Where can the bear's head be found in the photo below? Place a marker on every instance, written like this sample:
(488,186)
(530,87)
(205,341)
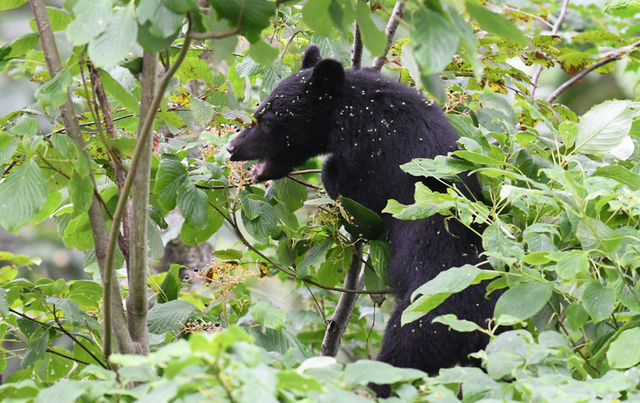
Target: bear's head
(293,123)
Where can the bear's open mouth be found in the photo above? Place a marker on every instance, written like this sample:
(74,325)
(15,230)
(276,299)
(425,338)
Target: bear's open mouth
(259,169)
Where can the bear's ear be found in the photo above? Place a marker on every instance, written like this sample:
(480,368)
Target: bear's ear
(311,56)
(328,75)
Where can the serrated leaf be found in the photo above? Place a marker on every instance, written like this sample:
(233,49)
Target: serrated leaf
(193,68)
(434,292)
(523,300)
(170,176)
(228,254)
(114,43)
(202,111)
(604,127)
(170,316)
(620,174)
(193,204)
(292,380)
(22,195)
(268,315)
(193,236)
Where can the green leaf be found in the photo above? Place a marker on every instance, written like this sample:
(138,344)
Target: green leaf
(193,68)
(571,265)
(604,127)
(313,258)
(456,324)
(624,351)
(91,19)
(170,285)
(58,18)
(228,254)
(193,204)
(262,52)
(202,111)
(265,221)
(170,316)
(193,236)
(364,371)
(435,40)
(478,158)
(11,4)
(434,292)
(594,234)
(181,6)
(19,47)
(165,22)
(291,193)
(599,301)
(441,167)
(114,43)
(316,15)
(495,23)
(361,222)
(64,391)
(268,315)
(22,195)
(36,347)
(292,380)
(255,14)
(577,316)
(81,193)
(54,93)
(620,174)
(372,38)
(169,178)
(116,90)
(523,300)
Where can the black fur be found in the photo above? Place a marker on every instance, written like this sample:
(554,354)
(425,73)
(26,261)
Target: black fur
(369,126)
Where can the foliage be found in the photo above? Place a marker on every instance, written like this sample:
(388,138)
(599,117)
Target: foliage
(559,221)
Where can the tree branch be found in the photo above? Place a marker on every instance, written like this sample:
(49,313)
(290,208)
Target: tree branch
(356,49)
(342,315)
(145,132)
(608,59)
(137,273)
(390,31)
(96,217)
(554,31)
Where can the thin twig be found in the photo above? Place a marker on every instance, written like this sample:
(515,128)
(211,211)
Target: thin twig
(216,35)
(307,184)
(542,20)
(72,337)
(390,31)
(48,350)
(608,59)
(554,31)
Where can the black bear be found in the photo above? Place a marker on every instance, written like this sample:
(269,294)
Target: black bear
(369,125)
